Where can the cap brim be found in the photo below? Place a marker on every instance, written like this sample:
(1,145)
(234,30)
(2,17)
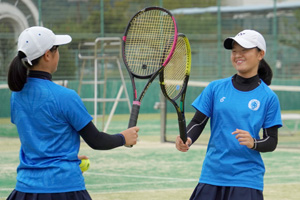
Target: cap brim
(62,39)
(244,43)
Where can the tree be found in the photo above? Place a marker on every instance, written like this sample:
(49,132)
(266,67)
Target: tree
(7,44)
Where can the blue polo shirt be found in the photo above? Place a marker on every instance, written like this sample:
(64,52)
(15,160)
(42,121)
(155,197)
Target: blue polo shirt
(227,163)
(48,118)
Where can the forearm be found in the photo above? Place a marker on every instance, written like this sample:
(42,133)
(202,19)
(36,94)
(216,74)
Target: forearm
(196,126)
(100,140)
(269,141)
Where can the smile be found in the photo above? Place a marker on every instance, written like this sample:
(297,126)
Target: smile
(238,62)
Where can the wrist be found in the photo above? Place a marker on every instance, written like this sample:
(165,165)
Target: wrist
(254,144)
(123,138)
(190,141)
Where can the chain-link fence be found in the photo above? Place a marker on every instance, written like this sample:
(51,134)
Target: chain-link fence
(206,23)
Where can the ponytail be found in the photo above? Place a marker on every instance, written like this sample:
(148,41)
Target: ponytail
(17,73)
(18,69)
(265,72)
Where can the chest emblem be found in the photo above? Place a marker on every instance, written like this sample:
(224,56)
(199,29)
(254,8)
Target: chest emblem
(254,104)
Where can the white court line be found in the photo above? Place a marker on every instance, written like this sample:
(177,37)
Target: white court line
(138,191)
(283,175)
(292,183)
(177,179)
(137,183)
(6,189)
(139,176)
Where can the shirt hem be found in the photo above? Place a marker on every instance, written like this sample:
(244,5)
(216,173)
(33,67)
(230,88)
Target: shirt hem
(231,184)
(56,190)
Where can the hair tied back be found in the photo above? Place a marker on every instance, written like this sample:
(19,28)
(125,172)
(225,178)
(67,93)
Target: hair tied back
(26,61)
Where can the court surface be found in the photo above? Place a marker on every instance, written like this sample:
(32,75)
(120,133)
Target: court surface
(152,170)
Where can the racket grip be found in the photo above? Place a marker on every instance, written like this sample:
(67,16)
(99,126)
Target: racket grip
(182,129)
(133,117)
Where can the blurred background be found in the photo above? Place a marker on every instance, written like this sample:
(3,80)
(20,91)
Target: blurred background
(97,26)
(92,65)
(207,23)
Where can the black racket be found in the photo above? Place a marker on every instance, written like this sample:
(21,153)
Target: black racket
(147,46)
(174,79)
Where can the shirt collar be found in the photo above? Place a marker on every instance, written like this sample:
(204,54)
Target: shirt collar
(40,74)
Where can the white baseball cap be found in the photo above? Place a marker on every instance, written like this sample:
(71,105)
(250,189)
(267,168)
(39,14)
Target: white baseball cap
(247,39)
(36,40)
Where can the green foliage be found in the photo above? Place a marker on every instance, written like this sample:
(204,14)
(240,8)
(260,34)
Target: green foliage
(82,19)
(7,45)
(292,27)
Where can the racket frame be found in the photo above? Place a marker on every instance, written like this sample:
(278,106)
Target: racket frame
(180,108)
(137,100)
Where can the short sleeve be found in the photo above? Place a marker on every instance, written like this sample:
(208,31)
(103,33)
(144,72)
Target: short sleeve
(74,110)
(203,102)
(273,115)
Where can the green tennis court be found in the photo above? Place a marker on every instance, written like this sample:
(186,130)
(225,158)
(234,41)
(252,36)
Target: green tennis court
(154,170)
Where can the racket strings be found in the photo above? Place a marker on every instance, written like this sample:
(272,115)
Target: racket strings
(176,70)
(149,41)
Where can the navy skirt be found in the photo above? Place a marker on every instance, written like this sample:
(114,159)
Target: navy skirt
(212,192)
(77,195)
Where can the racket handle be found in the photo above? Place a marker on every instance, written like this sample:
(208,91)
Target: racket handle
(182,129)
(133,116)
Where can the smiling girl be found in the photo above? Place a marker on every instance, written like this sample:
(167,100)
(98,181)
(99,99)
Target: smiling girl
(238,108)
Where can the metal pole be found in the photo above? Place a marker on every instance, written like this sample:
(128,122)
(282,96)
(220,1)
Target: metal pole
(163,109)
(161,3)
(101,18)
(40,12)
(102,67)
(95,86)
(275,46)
(163,117)
(219,56)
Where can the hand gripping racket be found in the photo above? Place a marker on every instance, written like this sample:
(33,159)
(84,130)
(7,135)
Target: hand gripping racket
(147,46)
(174,79)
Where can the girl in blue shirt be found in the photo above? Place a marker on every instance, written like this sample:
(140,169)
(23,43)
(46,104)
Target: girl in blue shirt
(50,120)
(238,108)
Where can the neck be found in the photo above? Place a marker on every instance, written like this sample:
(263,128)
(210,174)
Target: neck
(245,84)
(40,74)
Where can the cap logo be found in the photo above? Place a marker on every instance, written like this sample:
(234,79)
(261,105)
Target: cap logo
(240,34)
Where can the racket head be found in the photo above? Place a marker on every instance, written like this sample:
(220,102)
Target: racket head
(175,75)
(149,41)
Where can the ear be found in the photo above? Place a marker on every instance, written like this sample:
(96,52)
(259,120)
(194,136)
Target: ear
(47,56)
(261,55)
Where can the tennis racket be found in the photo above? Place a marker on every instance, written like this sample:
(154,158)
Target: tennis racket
(147,46)
(174,79)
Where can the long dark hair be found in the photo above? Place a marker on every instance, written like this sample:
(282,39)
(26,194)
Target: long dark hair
(17,73)
(264,71)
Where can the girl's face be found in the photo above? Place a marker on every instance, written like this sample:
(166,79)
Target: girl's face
(246,61)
